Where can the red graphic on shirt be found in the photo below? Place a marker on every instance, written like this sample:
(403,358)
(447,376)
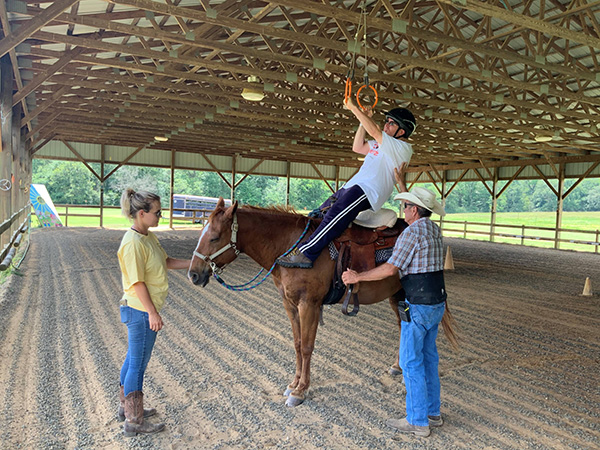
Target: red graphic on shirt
(374,148)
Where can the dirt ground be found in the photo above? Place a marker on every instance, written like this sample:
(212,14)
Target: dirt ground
(527,375)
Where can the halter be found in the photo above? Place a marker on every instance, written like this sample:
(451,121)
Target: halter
(209,259)
(217,270)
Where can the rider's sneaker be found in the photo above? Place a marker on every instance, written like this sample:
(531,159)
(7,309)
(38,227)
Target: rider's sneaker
(295,260)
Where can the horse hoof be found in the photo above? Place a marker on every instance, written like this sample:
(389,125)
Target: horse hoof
(293,401)
(394,371)
(287,392)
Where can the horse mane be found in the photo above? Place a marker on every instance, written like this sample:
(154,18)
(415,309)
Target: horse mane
(275,209)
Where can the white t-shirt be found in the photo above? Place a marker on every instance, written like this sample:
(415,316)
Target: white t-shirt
(376,175)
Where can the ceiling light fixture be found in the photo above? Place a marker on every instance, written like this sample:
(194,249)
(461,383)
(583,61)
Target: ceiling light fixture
(253,94)
(161,138)
(543,138)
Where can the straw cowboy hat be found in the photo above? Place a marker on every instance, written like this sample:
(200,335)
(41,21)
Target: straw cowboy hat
(422,197)
(382,218)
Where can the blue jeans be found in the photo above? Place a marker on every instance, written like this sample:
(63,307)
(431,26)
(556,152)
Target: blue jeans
(140,344)
(419,362)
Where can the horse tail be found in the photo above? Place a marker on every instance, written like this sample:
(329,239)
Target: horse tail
(449,325)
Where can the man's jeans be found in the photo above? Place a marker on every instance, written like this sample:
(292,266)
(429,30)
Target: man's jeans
(419,362)
(141,342)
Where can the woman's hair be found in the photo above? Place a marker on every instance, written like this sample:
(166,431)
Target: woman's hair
(132,202)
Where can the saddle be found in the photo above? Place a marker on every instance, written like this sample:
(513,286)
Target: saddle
(356,249)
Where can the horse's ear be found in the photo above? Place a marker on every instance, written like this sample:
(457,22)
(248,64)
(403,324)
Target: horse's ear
(220,203)
(231,210)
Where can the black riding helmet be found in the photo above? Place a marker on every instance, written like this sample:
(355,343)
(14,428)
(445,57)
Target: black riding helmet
(404,118)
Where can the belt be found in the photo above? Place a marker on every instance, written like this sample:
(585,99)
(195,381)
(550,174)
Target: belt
(123,302)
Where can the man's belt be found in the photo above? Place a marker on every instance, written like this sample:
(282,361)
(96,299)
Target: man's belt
(424,288)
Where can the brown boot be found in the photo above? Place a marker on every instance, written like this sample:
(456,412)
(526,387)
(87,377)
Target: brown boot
(121,412)
(134,416)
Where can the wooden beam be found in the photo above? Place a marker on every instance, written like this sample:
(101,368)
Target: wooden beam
(80,158)
(526,21)
(31,26)
(322,177)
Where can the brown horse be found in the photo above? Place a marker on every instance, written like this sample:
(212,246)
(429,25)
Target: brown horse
(264,234)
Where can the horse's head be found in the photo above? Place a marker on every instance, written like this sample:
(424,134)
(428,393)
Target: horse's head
(217,244)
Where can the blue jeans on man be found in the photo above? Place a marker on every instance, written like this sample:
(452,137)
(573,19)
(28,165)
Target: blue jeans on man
(140,344)
(419,362)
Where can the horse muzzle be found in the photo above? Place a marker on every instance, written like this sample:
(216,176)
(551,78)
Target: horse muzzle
(200,278)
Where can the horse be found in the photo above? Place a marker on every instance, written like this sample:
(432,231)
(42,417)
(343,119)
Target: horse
(266,233)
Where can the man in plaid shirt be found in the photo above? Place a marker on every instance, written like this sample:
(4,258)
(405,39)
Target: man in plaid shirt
(418,259)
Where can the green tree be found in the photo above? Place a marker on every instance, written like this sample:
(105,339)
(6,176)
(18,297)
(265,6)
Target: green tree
(67,182)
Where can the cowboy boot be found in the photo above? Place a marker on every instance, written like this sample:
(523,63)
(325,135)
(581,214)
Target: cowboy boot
(134,416)
(121,412)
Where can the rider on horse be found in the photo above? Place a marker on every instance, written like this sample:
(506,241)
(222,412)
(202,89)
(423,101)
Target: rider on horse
(369,188)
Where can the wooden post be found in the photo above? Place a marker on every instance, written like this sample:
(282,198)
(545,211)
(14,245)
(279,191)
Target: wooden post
(102,157)
(522,234)
(494,205)
(337,178)
(233,178)
(597,240)
(465,233)
(172,189)
(559,205)
(444,196)
(287,188)
(6,160)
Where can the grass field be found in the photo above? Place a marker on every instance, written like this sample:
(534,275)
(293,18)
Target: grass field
(589,221)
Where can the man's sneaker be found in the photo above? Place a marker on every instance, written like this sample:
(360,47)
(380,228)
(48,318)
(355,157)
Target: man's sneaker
(295,260)
(403,426)
(435,421)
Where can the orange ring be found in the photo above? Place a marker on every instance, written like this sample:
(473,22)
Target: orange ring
(358,99)
(348,89)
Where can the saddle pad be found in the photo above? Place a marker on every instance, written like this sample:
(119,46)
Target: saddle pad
(381,255)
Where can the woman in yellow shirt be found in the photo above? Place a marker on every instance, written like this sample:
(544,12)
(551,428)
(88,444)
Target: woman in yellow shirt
(144,266)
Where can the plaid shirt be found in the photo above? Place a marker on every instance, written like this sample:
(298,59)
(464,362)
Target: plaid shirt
(419,249)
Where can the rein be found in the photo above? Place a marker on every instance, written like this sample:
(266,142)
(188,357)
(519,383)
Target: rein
(232,244)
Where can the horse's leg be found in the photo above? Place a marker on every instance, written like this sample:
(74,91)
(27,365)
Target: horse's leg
(292,311)
(309,322)
(394,299)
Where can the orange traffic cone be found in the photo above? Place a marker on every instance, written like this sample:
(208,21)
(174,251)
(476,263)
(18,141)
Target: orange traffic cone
(449,263)
(587,287)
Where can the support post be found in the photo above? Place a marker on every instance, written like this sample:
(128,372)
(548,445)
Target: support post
(6,159)
(559,204)
(233,161)
(494,205)
(444,196)
(102,158)
(172,188)
(287,184)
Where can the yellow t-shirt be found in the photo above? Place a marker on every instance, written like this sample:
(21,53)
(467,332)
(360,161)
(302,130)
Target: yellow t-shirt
(143,259)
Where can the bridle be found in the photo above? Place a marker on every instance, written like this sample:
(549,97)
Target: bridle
(232,245)
(216,270)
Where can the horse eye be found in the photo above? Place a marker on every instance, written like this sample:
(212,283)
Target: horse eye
(214,239)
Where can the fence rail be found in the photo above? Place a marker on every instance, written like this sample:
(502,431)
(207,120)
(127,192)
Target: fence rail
(198,215)
(527,234)
(585,240)
(8,252)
